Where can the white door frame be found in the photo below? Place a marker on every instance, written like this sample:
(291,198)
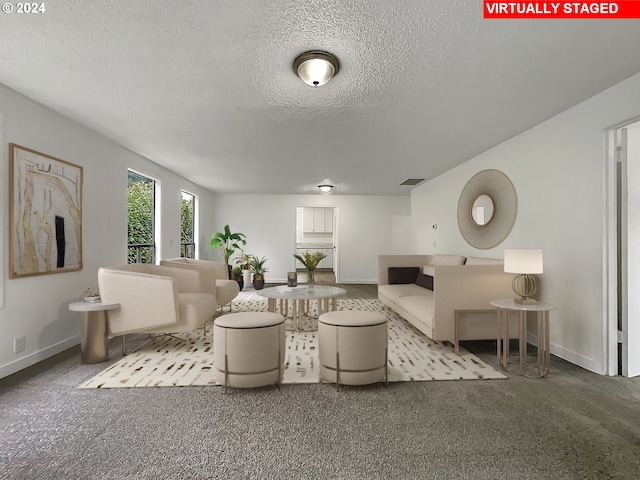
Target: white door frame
(336,237)
(615,141)
(5,174)
(610,257)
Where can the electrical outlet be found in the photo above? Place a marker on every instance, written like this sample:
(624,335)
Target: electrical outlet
(434,244)
(19,344)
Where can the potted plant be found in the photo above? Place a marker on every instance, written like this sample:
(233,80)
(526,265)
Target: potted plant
(258,269)
(91,295)
(236,274)
(243,260)
(228,243)
(310,262)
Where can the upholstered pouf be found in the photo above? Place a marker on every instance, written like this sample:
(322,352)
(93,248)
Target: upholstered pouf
(352,346)
(249,349)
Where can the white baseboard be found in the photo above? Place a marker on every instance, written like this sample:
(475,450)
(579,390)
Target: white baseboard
(35,357)
(360,282)
(570,356)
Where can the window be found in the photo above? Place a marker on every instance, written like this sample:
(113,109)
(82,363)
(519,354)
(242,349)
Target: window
(187,223)
(141,204)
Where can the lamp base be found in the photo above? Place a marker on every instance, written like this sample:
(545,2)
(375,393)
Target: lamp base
(525,301)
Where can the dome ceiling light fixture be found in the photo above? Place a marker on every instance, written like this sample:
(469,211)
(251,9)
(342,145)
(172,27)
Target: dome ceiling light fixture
(315,68)
(325,186)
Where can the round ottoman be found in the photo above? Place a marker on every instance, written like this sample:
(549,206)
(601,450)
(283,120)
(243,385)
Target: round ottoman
(249,349)
(352,346)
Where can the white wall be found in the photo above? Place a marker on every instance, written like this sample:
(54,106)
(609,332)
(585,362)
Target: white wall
(365,229)
(37,307)
(558,171)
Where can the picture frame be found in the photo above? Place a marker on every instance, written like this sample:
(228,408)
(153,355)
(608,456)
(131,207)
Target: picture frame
(45,214)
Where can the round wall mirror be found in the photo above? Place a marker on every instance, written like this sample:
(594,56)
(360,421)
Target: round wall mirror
(482,209)
(487,209)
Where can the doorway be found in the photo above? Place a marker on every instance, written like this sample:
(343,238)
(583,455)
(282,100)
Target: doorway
(317,231)
(624,250)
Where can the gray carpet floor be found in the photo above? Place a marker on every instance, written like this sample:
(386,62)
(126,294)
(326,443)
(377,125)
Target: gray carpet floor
(571,424)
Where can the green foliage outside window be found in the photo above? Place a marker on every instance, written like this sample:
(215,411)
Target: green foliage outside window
(186,221)
(140,193)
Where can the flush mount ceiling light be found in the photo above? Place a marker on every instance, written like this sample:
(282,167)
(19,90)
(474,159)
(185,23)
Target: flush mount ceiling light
(325,186)
(316,68)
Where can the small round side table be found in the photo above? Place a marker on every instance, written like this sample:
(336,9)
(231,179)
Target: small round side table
(94,340)
(505,306)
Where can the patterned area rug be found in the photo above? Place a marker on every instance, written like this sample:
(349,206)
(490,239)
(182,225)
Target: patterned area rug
(413,357)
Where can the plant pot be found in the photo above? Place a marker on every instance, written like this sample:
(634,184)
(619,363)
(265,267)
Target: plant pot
(246,276)
(258,281)
(240,280)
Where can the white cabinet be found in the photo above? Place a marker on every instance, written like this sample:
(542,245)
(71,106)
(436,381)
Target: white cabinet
(317,220)
(327,262)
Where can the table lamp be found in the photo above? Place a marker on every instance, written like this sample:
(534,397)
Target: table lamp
(525,262)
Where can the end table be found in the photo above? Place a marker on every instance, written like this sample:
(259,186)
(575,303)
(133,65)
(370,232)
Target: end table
(505,306)
(94,341)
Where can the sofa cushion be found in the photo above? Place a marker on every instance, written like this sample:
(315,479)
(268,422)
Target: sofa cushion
(395,292)
(483,261)
(429,270)
(439,259)
(425,281)
(403,275)
(420,306)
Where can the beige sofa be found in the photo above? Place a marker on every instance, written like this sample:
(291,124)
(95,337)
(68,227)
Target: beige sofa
(466,285)
(225,290)
(156,299)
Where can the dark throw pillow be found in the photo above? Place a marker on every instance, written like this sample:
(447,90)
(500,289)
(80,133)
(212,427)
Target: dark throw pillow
(424,281)
(399,275)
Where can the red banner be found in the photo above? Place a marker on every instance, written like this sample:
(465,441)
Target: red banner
(584,10)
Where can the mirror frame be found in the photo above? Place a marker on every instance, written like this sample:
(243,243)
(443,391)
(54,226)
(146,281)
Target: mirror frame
(499,188)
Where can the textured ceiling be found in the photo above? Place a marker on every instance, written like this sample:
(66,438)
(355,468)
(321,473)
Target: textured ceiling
(206,88)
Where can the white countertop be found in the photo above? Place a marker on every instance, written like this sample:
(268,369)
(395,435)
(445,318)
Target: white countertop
(314,245)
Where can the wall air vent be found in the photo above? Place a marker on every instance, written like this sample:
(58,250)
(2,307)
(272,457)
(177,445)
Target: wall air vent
(412,181)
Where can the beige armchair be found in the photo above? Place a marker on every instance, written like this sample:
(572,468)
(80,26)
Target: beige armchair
(156,299)
(225,290)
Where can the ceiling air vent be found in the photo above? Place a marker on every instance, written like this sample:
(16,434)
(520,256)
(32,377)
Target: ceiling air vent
(412,181)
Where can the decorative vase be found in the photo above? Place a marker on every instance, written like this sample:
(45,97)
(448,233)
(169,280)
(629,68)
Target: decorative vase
(246,276)
(240,281)
(311,278)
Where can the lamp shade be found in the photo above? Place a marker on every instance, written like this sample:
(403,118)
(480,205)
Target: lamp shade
(316,68)
(523,260)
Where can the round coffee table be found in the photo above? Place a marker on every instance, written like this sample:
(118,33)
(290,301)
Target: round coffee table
(301,296)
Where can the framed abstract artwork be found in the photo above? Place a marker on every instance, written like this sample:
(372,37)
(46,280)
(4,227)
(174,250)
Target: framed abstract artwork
(45,214)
